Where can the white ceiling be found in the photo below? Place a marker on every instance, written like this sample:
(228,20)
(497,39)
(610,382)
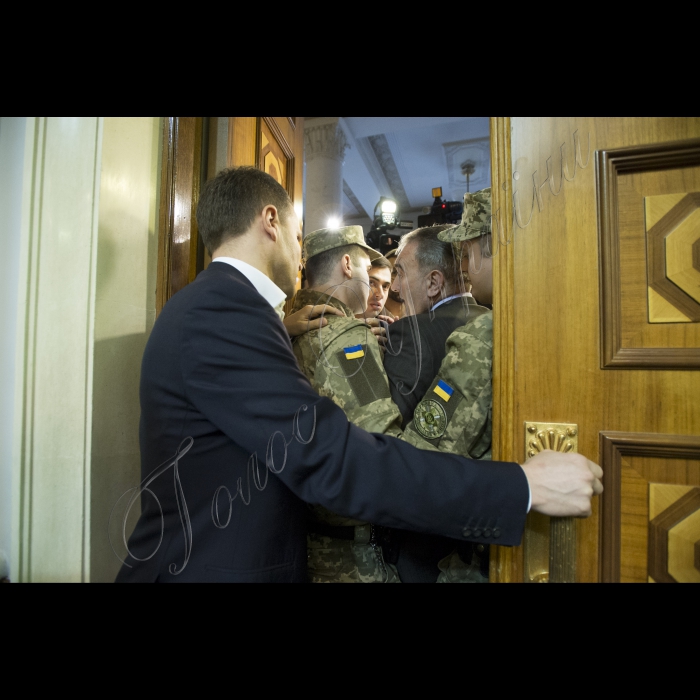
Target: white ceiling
(405,157)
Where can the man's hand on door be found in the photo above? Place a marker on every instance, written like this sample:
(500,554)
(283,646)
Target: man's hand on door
(562,485)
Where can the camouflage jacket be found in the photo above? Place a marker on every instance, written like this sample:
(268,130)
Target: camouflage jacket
(455,413)
(343,362)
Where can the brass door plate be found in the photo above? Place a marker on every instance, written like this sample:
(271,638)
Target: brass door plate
(550,543)
(560,437)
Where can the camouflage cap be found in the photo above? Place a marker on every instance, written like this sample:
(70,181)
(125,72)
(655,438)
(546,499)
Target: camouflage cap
(328,238)
(476,218)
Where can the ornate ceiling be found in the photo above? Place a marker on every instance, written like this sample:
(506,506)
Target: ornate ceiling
(405,157)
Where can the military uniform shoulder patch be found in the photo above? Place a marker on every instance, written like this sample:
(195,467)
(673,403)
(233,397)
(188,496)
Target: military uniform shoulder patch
(430,419)
(354,352)
(443,390)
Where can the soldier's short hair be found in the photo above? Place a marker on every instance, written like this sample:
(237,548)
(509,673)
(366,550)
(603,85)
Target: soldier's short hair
(381,262)
(430,252)
(320,268)
(230,202)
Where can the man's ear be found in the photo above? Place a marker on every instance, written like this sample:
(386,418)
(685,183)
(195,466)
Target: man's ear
(436,281)
(346,266)
(271,221)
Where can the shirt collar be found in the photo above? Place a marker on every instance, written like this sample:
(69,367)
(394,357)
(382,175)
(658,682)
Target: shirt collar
(267,289)
(454,296)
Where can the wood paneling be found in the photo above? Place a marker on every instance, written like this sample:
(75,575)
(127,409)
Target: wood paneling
(669,561)
(625,177)
(506,563)
(180,254)
(287,136)
(251,138)
(632,462)
(552,371)
(187,145)
(242,141)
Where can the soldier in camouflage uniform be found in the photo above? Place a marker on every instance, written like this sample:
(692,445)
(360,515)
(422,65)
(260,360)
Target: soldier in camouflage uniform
(343,362)
(455,413)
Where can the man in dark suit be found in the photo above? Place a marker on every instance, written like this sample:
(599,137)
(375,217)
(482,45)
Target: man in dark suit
(234,440)
(436,302)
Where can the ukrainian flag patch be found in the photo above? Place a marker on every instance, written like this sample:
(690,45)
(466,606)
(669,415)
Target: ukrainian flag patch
(354,352)
(444,391)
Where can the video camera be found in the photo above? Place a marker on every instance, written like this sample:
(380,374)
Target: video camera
(441,212)
(386,219)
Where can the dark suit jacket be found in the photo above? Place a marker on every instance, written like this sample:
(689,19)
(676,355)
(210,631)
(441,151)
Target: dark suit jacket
(404,368)
(219,381)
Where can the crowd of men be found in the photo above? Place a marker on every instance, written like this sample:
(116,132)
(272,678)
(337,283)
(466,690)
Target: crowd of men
(398,346)
(423,374)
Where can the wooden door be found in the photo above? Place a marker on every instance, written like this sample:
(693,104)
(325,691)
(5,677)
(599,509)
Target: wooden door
(194,150)
(275,145)
(597,329)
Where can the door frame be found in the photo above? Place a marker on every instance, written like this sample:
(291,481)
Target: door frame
(507,563)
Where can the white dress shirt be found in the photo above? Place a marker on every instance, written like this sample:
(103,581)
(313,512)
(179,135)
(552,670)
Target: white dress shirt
(267,289)
(454,296)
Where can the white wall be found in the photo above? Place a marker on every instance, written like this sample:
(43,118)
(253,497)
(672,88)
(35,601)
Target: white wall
(125,311)
(12,132)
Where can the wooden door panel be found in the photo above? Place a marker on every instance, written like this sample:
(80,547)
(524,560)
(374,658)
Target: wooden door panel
(276,146)
(273,144)
(549,322)
(650,220)
(180,255)
(651,508)
(273,160)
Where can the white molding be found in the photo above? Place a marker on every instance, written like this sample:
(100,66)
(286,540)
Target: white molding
(55,333)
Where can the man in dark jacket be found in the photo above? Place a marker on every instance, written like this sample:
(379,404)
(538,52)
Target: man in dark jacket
(234,440)
(437,302)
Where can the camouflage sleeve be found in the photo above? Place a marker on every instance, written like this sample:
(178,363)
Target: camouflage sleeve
(455,413)
(350,372)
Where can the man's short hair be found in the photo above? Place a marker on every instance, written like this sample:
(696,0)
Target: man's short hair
(320,268)
(432,253)
(230,202)
(381,262)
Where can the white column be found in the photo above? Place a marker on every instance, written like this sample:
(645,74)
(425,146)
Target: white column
(324,153)
(54,360)
(12,130)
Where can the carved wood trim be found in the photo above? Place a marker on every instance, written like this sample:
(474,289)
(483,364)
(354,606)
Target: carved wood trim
(287,149)
(658,534)
(613,447)
(165,214)
(610,164)
(656,257)
(506,562)
(180,257)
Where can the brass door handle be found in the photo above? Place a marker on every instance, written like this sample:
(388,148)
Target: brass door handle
(550,547)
